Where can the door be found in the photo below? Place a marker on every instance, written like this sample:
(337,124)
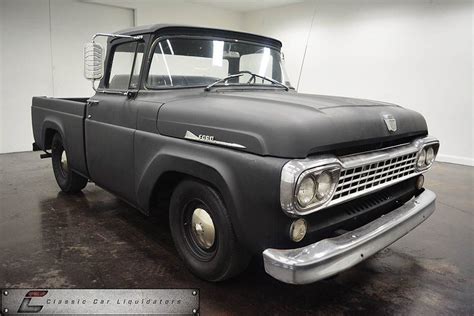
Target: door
(110,122)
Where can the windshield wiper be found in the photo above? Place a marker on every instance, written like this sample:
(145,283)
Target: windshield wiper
(252,77)
(208,87)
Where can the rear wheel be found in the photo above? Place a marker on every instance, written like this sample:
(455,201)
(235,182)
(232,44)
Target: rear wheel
(68,180)
(203,233)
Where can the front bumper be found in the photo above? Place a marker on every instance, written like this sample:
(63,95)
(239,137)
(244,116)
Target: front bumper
(333,255)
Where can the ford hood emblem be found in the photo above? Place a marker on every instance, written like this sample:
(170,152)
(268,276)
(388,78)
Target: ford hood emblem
(390,122)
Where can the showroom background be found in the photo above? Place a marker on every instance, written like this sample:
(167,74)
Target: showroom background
(416,53)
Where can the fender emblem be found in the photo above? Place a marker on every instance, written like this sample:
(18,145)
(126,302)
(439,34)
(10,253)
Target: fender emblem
(210,139)
(390,122)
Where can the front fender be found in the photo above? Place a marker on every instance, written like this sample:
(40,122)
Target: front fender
(249,184)
(181,160)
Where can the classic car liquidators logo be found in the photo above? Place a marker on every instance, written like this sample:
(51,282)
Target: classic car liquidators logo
(57,301)
(25,306)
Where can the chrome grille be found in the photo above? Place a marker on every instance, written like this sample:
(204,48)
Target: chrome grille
(356,181)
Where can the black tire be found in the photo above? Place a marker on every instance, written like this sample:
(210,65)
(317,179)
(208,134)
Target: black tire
(226,258)
(68,180)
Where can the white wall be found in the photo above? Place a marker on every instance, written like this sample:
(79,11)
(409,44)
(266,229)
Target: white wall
(26,68)
(185,12)
(2,10)
(188,14)
(418,54)
(41,54)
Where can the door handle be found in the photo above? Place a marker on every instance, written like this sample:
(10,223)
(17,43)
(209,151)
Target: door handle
(92,102)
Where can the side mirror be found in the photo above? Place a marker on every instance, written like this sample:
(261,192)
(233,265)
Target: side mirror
(93,61)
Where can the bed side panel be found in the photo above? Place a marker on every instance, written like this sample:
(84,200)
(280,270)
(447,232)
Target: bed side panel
(65,116)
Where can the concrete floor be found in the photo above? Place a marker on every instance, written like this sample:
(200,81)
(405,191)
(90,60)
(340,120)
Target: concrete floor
(93,240)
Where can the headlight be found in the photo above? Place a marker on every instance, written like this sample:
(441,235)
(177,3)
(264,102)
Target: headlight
(426,156)
(317,186)
(324,184)
(306,191)
(430,156)
(421,159)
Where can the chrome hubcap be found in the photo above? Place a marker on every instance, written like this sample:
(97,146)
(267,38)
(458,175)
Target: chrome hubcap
(64,161)
(202,228)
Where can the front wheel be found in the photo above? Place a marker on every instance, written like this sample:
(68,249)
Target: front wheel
(68,180)
(203,233)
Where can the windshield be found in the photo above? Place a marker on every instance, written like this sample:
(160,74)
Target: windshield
(180,62)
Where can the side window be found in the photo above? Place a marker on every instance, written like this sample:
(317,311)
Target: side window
(136,68)
(125,69)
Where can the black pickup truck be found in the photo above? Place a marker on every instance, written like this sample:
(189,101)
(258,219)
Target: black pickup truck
(207,120)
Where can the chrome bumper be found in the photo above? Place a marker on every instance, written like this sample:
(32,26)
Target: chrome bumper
(333,255)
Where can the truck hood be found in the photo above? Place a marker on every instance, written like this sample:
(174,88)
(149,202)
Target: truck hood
(285,124)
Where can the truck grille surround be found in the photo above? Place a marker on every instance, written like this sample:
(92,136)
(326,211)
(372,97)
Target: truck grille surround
(359,179)
(357,174)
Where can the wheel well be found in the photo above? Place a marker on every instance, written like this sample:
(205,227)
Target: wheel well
(164,187)
(48,138)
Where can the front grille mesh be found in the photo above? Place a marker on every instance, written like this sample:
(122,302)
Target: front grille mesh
(368,177)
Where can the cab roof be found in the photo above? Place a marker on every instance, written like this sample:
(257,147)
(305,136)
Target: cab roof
(170,29)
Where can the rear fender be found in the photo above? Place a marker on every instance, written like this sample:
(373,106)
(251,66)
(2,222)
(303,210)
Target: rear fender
(53,124)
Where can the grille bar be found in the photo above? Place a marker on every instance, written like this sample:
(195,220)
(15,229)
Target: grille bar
(358,180)
(378,166)
(373,175)
(369,184)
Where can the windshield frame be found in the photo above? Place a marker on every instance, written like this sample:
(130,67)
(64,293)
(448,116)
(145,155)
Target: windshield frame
(159,39)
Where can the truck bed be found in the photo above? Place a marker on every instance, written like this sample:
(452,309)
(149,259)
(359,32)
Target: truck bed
(64,116)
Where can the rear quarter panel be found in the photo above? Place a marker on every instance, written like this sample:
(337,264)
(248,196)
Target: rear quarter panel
(65,116)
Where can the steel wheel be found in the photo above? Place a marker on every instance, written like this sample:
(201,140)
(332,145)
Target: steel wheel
(64,165)
(202,228)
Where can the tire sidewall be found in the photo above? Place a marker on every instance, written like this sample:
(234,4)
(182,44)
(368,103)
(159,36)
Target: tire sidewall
(215,268)
(57,147)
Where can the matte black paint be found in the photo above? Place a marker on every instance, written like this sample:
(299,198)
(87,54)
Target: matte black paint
(110,133)
(65,116)
(285,123)
(170,29)
(128,143)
